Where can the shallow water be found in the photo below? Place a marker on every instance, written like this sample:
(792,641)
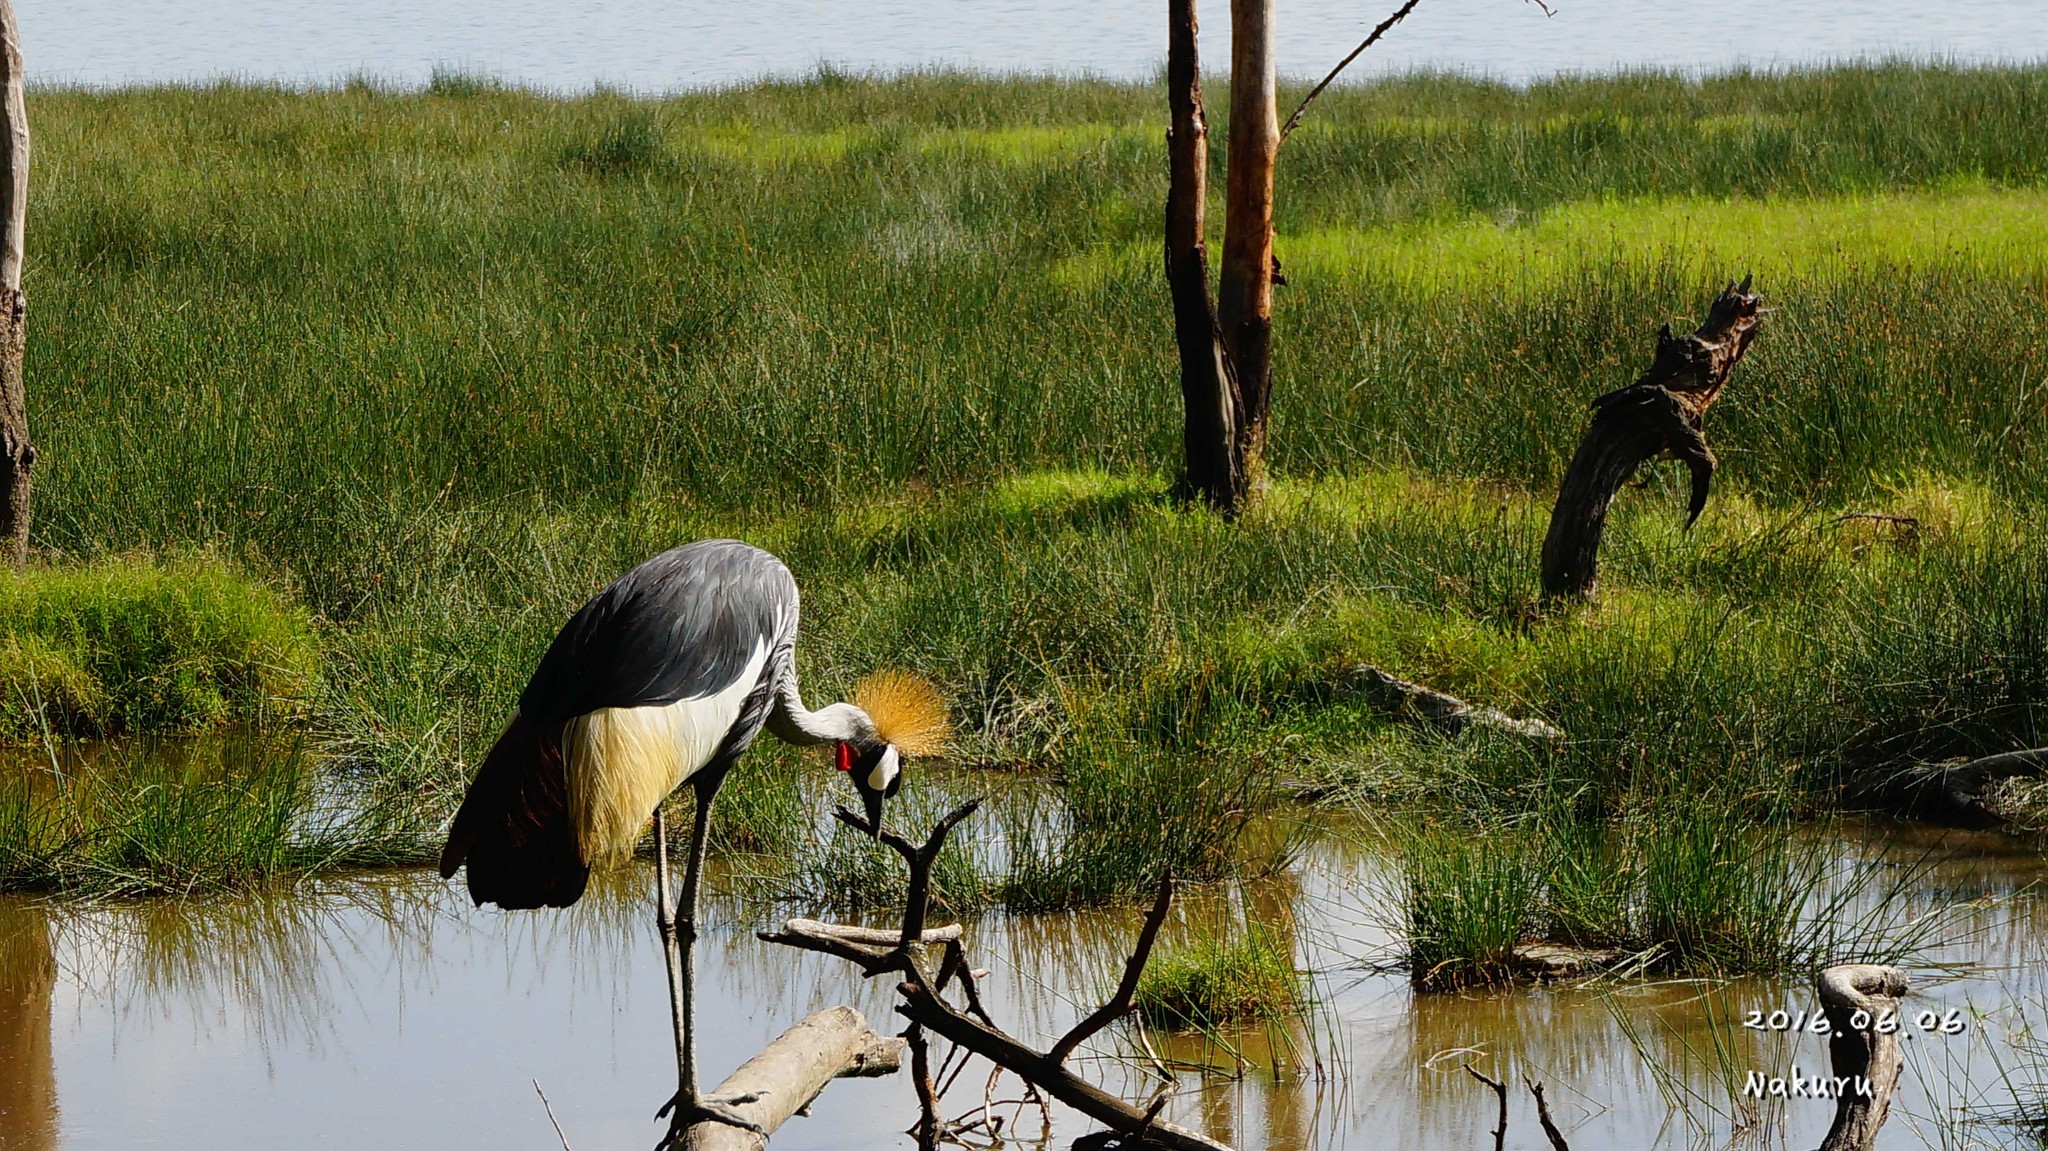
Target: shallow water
(575,43)
(384,1011)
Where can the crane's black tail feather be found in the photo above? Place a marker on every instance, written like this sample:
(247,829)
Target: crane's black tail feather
(513,827)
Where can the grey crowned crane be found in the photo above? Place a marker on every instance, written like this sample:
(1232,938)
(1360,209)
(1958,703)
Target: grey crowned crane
(665,677)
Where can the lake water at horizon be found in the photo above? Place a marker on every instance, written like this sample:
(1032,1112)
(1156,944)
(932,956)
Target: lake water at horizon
(575,44)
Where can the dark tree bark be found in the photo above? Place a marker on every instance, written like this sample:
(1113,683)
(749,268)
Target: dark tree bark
(1664,411)
(1208,393)
(1245,287)
(17,450)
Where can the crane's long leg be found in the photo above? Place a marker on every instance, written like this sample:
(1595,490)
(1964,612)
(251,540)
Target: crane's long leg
(679,940)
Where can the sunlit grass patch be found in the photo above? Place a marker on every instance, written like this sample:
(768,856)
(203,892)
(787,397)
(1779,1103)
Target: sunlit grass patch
(1222,981)
(136,645)
(1781,240)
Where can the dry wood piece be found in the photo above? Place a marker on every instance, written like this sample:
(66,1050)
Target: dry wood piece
(1664,411)
(1550,1130)
(791,1071)
(17,450)
(967,1025)
(1867,1057)
(1447,712)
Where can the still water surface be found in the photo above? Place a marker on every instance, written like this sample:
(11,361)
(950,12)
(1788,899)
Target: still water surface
(387,1012)
(571,44)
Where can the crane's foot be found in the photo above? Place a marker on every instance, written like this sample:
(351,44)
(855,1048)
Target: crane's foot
(685,1113)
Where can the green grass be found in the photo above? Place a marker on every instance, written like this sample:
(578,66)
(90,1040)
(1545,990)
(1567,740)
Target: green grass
(443,362)
(1221,982)
(153,818)
(125,645)
(1700,880)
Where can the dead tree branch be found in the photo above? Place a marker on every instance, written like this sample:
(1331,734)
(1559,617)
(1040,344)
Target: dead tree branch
(968,1026)
(1294,117)
(1869,1058)
(1662,412)
(1550,1130)
(790,1072)
(1122,1003)
(1500,1089)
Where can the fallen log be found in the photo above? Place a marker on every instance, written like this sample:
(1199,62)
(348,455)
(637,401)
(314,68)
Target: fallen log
(790,1072)
(1868,1057)
(1662,412)
(1435,709)
(1959,792)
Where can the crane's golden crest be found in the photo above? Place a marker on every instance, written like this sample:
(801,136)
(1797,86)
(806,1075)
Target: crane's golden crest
(906,711)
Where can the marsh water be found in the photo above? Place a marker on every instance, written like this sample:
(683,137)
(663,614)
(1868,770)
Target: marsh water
(573,44)
(383,1010)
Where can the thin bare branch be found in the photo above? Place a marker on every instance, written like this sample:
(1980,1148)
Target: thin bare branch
(1500,1133)
(1550,1130)
(1122,1002)
(1294,117)
(551,1116)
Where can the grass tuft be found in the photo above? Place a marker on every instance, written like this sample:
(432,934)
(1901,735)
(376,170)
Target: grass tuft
(1219,982)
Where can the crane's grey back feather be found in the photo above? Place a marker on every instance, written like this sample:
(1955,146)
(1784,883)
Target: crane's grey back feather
(684,624)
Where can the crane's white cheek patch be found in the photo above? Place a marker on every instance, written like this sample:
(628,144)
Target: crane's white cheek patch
(885,771)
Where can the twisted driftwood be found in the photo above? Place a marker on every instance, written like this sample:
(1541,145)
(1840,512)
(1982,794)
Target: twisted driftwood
(1870,1057)
(1664,411)
(967,1024)
(790,1072)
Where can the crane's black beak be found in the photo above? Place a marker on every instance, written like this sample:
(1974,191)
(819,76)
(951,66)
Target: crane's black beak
(872,800)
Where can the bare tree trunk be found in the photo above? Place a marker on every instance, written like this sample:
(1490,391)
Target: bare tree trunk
(1664,411)
(1245,291)
(17,451)
(1208,394)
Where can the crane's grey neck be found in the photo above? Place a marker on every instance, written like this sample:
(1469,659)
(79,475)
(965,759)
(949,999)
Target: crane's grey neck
(792,722)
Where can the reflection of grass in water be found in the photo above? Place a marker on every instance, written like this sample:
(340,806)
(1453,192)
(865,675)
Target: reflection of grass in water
(1699,1056)
(145,818)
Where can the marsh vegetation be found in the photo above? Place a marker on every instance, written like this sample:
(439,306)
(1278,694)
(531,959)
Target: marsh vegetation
(349,396)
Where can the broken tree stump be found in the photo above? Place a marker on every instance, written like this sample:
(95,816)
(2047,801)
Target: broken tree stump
(790,1072)
(1662,412)
(1868,1056)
